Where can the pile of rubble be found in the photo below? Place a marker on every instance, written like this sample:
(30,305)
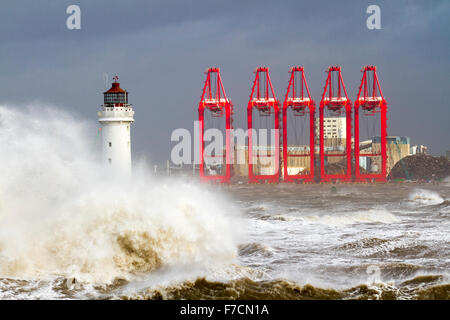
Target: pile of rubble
(421,167)
(336,168)
(340,168)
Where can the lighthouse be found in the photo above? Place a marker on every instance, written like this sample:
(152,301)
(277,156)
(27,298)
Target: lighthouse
(115,117)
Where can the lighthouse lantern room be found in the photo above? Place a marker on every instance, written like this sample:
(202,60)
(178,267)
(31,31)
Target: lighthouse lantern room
(116,117)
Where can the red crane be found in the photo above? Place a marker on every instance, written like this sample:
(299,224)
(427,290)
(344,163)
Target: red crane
(215,101)
(371,101)
(299,100)
(263,99)
(335,100)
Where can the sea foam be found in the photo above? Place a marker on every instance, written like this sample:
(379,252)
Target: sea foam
(425,197)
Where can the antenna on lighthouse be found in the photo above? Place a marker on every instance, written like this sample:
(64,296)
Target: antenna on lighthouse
(105,80)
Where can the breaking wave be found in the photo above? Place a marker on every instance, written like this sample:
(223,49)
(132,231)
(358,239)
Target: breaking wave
(339,219)
(425,197)
(63,215)
(396,247)
(420,287)
(255,249)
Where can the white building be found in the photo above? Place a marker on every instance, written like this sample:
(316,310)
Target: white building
(419,149)
(116,117)
(333,127)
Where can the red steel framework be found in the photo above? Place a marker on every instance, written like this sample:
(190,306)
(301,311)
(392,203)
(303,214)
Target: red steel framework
(337,104)
(216,102)
(266,105)
(371,104)
(300,104)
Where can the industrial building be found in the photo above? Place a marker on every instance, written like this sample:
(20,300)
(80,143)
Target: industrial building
(333,127)
(397,148)
(419,149)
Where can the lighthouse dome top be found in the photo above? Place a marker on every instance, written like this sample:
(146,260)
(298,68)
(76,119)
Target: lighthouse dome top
(115,88)
(115,95)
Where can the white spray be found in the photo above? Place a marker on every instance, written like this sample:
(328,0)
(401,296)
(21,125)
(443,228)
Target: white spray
(61,214)
(425,197)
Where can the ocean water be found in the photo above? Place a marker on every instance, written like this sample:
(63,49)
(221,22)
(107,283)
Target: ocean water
(69,229)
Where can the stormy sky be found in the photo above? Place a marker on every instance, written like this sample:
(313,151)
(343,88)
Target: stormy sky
(160,50)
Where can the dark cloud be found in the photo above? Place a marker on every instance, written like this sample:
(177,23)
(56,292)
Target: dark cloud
(161,48)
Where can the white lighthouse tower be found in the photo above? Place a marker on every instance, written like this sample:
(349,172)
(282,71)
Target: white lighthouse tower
(116,117)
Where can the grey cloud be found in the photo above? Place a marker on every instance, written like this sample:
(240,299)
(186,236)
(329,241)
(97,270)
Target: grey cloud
(161,48)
